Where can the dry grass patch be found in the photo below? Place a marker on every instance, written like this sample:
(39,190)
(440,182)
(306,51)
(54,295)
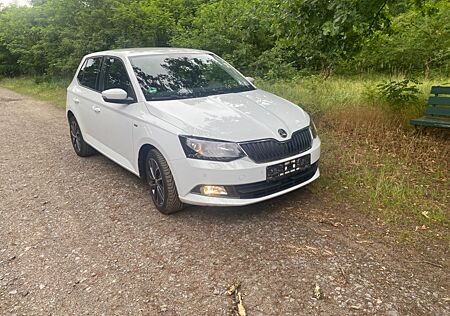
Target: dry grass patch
(371,157)
(401,174)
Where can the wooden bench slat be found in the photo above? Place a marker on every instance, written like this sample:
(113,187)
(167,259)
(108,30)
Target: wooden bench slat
(438,110)
(439,101)
(440,90)
(431,121)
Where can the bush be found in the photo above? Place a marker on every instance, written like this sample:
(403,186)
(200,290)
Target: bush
(399,93)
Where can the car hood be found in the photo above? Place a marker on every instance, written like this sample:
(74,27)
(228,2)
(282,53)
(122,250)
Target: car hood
(234,117)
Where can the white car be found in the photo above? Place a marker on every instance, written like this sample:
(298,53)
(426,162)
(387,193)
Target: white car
(190,124)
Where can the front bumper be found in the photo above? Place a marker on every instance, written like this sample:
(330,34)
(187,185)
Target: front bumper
(190,173)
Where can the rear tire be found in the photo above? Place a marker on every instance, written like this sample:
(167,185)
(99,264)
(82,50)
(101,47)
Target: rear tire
(81,148)
(162,185)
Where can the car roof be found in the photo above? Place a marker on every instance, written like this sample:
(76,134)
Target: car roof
(128,52)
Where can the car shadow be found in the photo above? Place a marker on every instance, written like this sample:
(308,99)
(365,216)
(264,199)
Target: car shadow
(268,208)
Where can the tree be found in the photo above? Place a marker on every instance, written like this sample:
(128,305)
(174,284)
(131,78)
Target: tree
(271,38)
(419,40)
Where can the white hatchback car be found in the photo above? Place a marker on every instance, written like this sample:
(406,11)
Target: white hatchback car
(189,123)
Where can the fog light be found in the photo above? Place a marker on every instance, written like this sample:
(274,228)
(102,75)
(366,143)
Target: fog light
(212,190)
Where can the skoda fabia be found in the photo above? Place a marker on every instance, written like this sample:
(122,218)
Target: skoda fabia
(196,129)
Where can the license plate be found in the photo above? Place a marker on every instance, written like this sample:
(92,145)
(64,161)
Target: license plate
(288,167)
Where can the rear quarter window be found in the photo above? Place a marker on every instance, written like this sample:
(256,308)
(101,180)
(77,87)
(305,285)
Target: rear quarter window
(89,73)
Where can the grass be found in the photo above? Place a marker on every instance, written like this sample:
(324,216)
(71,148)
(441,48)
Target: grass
(53,91)
(371,157)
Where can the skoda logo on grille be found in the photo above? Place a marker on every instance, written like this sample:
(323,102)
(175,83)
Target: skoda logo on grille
(282,133)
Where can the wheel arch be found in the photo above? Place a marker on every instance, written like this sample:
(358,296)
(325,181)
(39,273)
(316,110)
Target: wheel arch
(70,114)
(142,155)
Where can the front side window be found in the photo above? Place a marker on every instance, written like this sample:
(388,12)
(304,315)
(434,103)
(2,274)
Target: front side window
(89,72)
(115,76)
(180,76)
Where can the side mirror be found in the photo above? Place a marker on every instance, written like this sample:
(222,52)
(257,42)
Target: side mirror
(117,96)
(251,79)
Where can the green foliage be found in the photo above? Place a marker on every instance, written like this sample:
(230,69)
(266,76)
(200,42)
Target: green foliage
(16,39)
(272,37)
(233,29)
(399,93)
(265,38)
(417,42)
(150,22)
(322,33)
(53,35)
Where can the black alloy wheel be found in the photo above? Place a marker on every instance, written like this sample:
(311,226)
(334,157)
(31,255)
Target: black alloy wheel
(162,184)
(81,148)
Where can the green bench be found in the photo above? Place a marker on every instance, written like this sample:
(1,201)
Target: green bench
(438,109)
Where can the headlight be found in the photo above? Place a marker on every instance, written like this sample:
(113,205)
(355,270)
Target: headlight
(210,149)
(313,128)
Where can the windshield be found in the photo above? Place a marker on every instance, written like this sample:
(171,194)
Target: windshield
(180,76)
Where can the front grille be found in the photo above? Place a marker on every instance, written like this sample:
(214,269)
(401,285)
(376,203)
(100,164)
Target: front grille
(270,149)
(264,188)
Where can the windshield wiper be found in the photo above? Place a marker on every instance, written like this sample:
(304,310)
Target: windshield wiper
(170,97)
(225,90)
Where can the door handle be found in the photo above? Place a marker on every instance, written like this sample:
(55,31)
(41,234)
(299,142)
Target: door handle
(76,101)
(96,109)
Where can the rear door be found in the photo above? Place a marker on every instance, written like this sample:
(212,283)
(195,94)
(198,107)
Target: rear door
(87,98)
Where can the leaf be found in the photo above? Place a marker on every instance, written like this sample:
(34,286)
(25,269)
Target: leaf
(234,289)
(318,293)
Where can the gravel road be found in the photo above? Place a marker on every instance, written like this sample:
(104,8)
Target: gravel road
(81,237)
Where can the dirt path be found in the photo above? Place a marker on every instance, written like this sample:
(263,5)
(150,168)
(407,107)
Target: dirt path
(80,236)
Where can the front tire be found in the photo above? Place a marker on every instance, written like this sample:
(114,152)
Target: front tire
(81,148)
(162,185)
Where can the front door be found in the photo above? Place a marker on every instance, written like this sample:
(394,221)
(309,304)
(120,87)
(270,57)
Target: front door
(116,120)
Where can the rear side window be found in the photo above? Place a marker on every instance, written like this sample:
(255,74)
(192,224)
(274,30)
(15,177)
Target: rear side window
(89,72)
(116,76)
